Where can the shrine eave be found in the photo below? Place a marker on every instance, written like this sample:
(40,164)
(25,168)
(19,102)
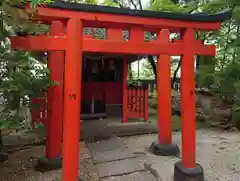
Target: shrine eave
(201,17)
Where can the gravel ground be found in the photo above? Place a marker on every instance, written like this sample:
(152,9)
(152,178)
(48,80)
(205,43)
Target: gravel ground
(20,166)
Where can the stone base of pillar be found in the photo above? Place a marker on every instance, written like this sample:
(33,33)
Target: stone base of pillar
(3,156)
(45,164)
(164,149)
(81,179)
(183,174)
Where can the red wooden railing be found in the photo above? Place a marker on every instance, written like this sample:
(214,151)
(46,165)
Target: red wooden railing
(109,92)
(39,110)
(94,91)
(137,103)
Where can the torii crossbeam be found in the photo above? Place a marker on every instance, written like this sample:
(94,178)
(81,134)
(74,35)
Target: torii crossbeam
(67,21)
(58,43)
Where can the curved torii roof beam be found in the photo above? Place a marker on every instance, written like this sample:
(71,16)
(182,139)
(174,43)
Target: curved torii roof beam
(117,19)
(102,16)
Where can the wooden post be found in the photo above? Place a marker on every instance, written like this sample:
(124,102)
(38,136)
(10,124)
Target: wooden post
(55,98)
(72,100)
(125,94)
(164,93)
(146,105)
(188,101)
(163,146)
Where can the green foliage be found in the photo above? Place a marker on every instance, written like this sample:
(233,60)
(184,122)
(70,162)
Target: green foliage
(146,71)
(134,83)
(221,75)
(215,6)
(21,76)
(83,1)
(225,84)
(110,3)
(205,75)
(21,80)
(167,5)
(34,3)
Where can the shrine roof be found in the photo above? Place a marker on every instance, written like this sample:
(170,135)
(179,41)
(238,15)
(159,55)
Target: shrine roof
(218,17)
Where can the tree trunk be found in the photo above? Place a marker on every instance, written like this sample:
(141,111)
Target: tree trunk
(3,155)
(1,141)
(226,46)
(235,52)
(175,74)
(153,64)
(197,63)
(138,71)
(130,72)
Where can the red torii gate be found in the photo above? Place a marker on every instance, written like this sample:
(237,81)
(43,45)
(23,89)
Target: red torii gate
(66,42)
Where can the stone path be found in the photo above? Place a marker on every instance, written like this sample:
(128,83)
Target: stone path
(128,159)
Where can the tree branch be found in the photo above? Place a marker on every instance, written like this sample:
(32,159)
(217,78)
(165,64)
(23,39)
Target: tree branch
(153,64)
(1,141)
(118,3)
(236,48)
(227,44)
(175,74)
(132,2)
(140,4)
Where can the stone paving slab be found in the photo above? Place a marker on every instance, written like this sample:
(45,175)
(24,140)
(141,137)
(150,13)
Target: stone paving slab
(111,144)
(121,167)
(112,155)
(137,176)
(93,130)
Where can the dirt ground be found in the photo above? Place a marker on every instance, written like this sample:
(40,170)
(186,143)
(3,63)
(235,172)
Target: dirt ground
(20,166)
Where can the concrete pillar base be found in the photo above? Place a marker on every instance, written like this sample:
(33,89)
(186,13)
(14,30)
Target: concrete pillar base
(164,149)
(81,179)
(45,164)
(183,174)
(3,156)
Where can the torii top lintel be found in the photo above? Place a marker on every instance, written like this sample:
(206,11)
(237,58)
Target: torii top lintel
(117,19)
(102,16)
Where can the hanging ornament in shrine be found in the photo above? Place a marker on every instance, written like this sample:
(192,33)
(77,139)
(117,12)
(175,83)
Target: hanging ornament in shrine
(84,64)
(102,63)
(111,65)
(95,67)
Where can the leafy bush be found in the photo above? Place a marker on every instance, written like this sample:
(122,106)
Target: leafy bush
(22,78)
(224,84)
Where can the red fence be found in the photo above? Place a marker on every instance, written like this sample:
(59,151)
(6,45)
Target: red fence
(93,91)
(110,92)
(137,103)
(39,110)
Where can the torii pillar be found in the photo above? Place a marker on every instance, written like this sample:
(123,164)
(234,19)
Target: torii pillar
(54,125)
(72,99)
(188,169)
(163,145)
